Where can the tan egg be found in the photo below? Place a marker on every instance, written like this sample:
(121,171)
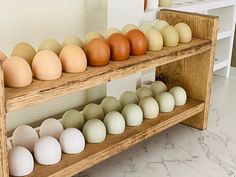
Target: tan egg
(111,31)
(160,24)
(25,51)
(155,40)
(73,40)
(170,36)
(128,28)
(51,44)
(17,72)
(92,35)
(2,56)
(73,59)
(46,65)
(185,32)
(145,27)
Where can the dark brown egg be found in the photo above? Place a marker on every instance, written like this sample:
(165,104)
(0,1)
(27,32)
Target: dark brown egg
(120,47)
(97,52)
(138,42)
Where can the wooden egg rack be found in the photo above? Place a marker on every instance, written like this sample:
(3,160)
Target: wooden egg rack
(189,65)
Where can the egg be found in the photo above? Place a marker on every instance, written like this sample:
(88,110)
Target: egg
(145,27)
(158,87)
(17,72)
(97,52)
(20,161)
(94,131)
(147,84)
(47,151)
(25,51)
(2,56)
(46,65)
(160,24)
(110,104)
(144,92)
(170,36)
(128,97)
(114,122)
(72,141)
(133,115)
(128,28)
(138,42)
(166,102)
(72,119)
(51,44)
(51,127)
(93,111)
(25,136)
(149,107)
(155,40)
(120,47)
(111,31)
(73,59)
(185,32)
(73,40)
(9,145)
(179,95)
(92,35)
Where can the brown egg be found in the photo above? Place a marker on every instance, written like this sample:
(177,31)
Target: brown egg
(119,45)
(138,42)
(46,65)
(17,72)
(2,56)
(97,52)
(73,59)
(25,51)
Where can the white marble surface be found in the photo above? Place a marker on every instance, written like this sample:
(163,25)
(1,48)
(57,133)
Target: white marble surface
(183,151)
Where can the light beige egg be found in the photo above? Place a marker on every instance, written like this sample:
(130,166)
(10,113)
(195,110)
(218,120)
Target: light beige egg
(72,119)
(158,87)
(144,92)
(160,24)
(170,36)
(50,44)
(93,111)
(128,28)
(92,35)
(9,145)
(145,27)
(179,95)
(166,102)
(128,97)
(110,104)
(133,115)
(73,40)
(185,32)
(2,56)
(149,107)
(155,40)
(111,31)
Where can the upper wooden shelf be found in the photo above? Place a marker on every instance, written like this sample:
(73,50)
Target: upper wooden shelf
(40,91)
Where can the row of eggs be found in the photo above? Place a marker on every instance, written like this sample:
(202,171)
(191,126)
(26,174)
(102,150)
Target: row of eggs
(111,117)
(97,50)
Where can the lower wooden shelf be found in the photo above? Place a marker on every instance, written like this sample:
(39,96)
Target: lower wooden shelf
(95,153)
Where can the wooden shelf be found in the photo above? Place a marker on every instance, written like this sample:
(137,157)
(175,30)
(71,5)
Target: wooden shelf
(40,91)
(95,153)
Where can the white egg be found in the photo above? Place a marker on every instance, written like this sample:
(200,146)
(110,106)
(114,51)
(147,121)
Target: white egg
(155,40)
(144,92)
(166,102)
(160,24)
(158,87)
(128,28)
(111,31)
(47,151)
(149,107)
(179,95)
(114,122)
(9,145)
(72,141)
(20,161)
(25,136)
(51,127)
(133,115)
(128,97)
(110,104)
(93,111)
(73,119)
(94,131)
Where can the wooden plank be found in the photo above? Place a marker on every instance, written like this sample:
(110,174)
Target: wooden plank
(40,91)
(95,153)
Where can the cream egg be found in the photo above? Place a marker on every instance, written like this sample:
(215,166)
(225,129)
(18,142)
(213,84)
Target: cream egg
(160,24)
(73,59)
(47,151)
(111,31)
(17,72)
(110,104)
(92,35)
(46,65)
(128,28)
(72,141)
(128,97)
(143,92)
(72,119)
(149,107)
(166,102)
(73,40)
(185,32)
(25,136)
(94,131)
(9,145)
(179,95)
(158,87)
(133,115)
(93,111)
(2,56)
(170,36)
(52,45)
(51,127)
(20,161)
(155,40)
(114,122)
(145,27)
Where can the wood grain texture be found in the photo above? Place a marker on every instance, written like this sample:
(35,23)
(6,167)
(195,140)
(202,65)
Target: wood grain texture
(40,91)
(95,153)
